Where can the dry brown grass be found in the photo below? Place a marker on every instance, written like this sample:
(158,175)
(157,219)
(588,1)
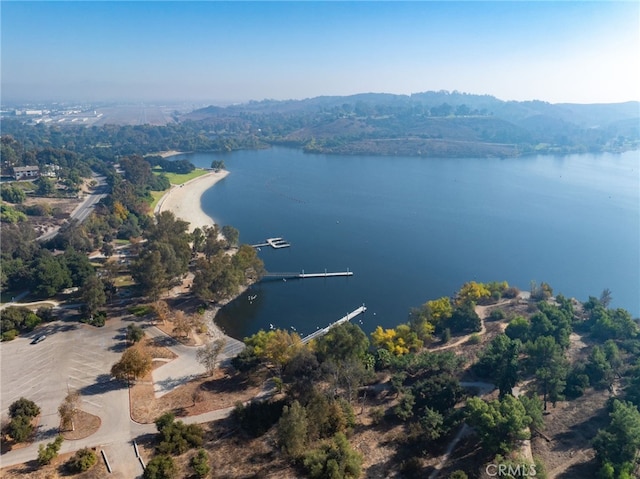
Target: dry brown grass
(55,470)
(85,425)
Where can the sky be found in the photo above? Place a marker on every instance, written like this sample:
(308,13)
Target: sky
(578,52)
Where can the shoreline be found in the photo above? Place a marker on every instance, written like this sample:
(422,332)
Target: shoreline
(184,200)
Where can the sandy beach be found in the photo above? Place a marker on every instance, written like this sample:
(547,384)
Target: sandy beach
(184,200)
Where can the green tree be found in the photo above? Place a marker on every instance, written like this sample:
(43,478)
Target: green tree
(547,358)
(618,444)
(93,295)
(230,234)
(598,369)
(197,239)
(149,273)
(46,187)
(217,164)
(134,333)
(13,194)
(341,342)
(499,361)
(518,328)
(292,430)
(499,423)
(464,318)
(49,275)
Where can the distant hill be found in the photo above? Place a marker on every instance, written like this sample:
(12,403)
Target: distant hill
(428,124)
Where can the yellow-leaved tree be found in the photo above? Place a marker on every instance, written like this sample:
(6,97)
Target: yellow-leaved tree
(472,292)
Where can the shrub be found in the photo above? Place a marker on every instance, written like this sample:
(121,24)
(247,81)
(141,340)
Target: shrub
(47,453)
(474,339)
(39,209)
(200,463)
(82,460)
(257,417)
(458,475)
(336,460)
(20,428)
(160,467)
(9,335)
(23,407)
(446,335)
(177,437)
(376,414)
(497,314)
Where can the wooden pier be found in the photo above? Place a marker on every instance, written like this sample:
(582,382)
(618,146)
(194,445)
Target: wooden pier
(344,319)
(275,243)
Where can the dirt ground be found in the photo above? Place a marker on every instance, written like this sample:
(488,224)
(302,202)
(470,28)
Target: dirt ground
(571,426)
(209,393)
(85,424)
(55,470)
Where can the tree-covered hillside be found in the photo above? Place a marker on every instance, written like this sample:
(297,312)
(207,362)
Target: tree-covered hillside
(430,124)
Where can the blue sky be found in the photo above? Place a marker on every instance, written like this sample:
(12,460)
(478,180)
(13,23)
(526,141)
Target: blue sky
(583,52)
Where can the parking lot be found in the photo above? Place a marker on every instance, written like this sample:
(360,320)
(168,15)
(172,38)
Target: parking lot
(73,356)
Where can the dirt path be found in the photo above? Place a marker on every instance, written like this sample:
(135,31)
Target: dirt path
(464,430)
(482,312)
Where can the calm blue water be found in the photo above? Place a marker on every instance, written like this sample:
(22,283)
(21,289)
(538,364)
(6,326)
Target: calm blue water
(415,229)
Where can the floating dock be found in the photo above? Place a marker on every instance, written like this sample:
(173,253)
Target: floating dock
(304,275)
(344,319)
(275,243)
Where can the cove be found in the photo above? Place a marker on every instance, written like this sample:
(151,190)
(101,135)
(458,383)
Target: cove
(414,229)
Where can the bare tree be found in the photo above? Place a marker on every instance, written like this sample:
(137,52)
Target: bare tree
(182,324)
(68,409)
(208,355)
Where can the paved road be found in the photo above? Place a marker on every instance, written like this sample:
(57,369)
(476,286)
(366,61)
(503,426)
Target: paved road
(186,366)
(83,210)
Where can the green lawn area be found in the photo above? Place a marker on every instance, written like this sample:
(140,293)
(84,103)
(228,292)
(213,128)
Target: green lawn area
(156,195)
(174,179)
(178,179)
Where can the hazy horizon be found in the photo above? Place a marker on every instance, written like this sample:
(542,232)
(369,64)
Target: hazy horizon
(223,52)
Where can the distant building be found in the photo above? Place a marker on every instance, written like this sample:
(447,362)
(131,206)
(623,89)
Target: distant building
(25,172)
(50,170)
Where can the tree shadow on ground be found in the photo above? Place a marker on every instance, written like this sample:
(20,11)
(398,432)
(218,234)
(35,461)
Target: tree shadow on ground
(164,341)
(47,434)
(583,470)
(229,383)
(103,384)
(171,383)
(582,433)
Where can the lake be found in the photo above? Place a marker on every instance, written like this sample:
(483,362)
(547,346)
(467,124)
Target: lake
(415,229)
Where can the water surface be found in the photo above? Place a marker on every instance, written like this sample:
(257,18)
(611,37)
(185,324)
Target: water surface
(414,229)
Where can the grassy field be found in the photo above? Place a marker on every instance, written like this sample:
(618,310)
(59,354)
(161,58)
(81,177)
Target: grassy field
(174,179)
(156,195)
(178,179)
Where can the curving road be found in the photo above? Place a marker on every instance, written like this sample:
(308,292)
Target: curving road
(83,210)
